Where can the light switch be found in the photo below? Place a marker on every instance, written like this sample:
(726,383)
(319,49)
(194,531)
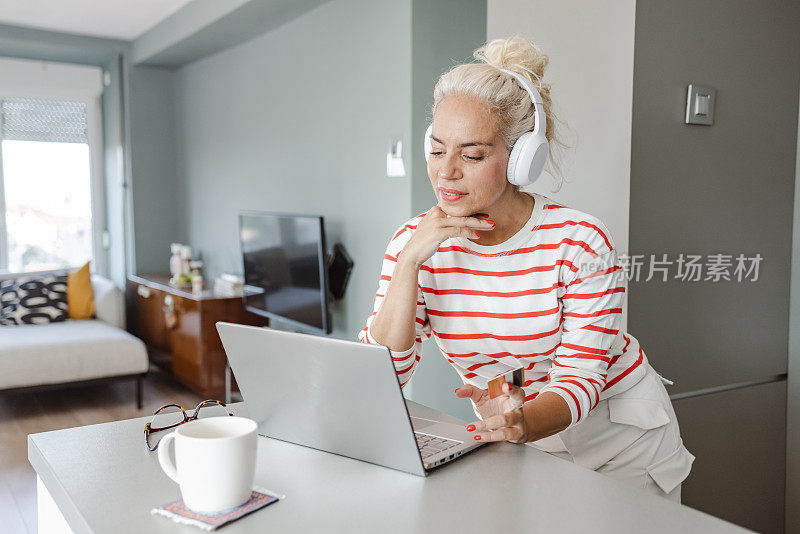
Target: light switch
(700,105)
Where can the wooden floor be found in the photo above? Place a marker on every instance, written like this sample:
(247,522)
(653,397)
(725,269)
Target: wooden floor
(27,413)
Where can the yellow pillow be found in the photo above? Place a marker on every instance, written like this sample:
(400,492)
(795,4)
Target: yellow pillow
(80,296)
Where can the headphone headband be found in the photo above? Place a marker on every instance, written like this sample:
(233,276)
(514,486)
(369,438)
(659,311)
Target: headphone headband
(536,98)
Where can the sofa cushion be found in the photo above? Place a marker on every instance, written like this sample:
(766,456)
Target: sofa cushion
(33,300)
(109,301)
(32,355)
(80,296)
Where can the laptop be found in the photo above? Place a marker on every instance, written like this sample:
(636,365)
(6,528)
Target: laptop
(337,396)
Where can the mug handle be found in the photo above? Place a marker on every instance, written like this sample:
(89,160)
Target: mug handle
(164,459)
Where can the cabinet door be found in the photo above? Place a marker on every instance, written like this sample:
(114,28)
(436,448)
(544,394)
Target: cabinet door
(146,320)
(183,319)
(738,439)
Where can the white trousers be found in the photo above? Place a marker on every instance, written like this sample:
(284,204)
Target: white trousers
(633,437)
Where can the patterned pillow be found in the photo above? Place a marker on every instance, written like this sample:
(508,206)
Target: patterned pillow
(34,300)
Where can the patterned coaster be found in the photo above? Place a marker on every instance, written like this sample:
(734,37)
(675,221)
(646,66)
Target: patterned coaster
(178,512)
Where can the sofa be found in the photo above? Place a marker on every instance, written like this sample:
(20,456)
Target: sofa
(74,352)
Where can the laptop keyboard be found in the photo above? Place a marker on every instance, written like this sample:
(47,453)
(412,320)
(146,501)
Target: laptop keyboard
(430,445)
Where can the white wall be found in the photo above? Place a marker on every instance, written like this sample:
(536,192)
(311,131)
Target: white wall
(590,45)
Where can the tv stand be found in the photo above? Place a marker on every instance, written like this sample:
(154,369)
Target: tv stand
(179,329)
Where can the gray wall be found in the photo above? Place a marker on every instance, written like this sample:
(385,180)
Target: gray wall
(157,219)
(443,34)
(204,27)
(299,120)
(728,189)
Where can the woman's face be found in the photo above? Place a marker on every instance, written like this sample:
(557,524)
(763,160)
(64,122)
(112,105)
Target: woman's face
(468,160)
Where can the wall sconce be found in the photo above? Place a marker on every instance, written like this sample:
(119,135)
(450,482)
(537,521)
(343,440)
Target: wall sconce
(394,160)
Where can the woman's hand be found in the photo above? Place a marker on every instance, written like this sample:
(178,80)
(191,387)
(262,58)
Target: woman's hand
(437,226)
(502,416)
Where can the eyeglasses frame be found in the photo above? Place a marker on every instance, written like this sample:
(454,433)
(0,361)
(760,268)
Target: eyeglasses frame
(148,428)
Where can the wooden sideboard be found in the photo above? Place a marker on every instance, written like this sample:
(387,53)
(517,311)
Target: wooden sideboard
(179,329)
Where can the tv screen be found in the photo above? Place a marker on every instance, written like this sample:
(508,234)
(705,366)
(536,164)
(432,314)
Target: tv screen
(284,268)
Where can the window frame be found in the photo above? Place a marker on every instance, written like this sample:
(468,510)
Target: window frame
(64,84)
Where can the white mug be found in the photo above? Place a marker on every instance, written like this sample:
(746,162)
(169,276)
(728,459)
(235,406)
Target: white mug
(216,460)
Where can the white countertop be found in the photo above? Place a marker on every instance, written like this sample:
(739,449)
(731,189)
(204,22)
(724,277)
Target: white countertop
(103,479)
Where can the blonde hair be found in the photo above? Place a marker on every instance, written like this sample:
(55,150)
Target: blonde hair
(507,100)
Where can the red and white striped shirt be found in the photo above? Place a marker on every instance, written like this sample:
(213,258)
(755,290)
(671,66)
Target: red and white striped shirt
(550,297)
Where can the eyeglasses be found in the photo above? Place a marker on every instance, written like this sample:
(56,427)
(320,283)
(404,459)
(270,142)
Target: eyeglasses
(173,415)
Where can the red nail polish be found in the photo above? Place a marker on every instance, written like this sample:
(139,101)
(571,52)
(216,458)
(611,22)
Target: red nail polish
(455,391)
(477,438)
(490,221)
(476,233)
(470,428)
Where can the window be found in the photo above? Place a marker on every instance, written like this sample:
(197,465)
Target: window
(50,188)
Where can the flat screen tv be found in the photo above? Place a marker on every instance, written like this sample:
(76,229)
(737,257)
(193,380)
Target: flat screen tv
(285,272)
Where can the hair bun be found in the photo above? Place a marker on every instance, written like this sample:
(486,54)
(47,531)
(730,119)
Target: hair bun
(516,54)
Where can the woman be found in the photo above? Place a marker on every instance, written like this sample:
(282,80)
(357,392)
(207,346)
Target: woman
(503,278)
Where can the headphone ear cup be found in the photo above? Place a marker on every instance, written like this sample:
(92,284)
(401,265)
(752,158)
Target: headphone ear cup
(527,159)
(428,145)
(538,162)
(513,158)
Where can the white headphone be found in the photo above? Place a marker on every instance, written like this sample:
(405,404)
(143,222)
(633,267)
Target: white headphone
(529,154)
